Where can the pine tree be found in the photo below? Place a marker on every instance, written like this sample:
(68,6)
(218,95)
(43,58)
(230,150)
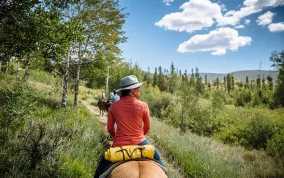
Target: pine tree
(278,59)
(161,80)
(247,82)
(225,83)
(263,84)
(155,77)
(198,85)
(173,82)
(229,83)
(192,79)
(217,82)
(270,82)
(147,76)
(258,81)
(209,85)
(233,81)
(185,77)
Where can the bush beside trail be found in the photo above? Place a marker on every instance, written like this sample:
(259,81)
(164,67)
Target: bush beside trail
(252,128)
(40,140)
(200,156)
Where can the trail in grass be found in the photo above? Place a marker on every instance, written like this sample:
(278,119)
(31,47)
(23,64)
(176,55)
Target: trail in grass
(172,167)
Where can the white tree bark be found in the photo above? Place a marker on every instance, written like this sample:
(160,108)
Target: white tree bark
(65,80)
(77,79)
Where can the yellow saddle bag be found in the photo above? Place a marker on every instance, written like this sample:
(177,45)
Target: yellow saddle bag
(116,154)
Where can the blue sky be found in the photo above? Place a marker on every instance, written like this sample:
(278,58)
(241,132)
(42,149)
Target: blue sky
(216,36)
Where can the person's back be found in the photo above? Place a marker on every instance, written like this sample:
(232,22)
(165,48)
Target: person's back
(103,95)
(111,95)
(132,118)
(115,98)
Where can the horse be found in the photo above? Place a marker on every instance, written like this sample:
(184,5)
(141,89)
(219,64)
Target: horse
(101,104)
(108,103)
(138,169)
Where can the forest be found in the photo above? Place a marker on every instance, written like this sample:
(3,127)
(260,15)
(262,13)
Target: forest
(54,54)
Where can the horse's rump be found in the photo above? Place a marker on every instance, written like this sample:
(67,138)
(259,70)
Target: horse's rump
(137,169)
(101,104)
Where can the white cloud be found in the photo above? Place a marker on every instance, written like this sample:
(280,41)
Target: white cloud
(233,17)
(168,2)
(218,41)
(263,3)
(247,21)
(265,19)
(276,27)
(195,15)
(240,26)
(223,7)
(250,7)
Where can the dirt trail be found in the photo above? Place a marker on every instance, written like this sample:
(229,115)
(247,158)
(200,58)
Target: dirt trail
(172,167)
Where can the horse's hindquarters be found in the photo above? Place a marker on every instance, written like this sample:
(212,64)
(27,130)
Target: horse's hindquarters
(138,169)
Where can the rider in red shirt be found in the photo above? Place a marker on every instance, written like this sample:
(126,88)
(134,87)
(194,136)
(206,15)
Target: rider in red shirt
(131,117)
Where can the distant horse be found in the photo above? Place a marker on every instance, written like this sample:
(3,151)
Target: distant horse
(101,104)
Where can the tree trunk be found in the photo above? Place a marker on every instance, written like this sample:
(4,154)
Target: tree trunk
(0,65)
(7,67)
(77,79)
(65,81)
(27,65)
(107,78)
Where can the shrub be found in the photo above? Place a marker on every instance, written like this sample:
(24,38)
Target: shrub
(34,135)
(252,132)
(172,114)
(71,168)
(257,133)
(218,100)
(157,101)
(17,100)
(40,142)
(275,146)
(44,77)
(243,98)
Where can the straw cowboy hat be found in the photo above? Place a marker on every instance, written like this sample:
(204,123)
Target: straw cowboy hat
(129,82)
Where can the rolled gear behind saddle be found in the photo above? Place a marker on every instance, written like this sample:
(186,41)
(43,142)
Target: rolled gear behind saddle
(116,154)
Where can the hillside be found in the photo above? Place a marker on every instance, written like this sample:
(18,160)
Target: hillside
(241,75)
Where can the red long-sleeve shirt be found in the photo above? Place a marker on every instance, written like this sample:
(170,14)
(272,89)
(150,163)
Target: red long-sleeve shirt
(133,121)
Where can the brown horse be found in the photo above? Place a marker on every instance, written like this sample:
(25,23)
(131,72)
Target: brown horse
(101,104)
(138,169)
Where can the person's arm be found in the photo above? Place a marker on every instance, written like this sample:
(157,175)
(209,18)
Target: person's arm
(146,119)
(110,123)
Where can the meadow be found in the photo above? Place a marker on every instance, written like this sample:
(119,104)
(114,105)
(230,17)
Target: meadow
(41,139)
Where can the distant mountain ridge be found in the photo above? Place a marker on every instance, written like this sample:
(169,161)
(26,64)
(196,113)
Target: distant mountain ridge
(241,75)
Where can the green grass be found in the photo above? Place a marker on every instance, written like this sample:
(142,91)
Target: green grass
(203,157)
(79,148)
(197,156)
